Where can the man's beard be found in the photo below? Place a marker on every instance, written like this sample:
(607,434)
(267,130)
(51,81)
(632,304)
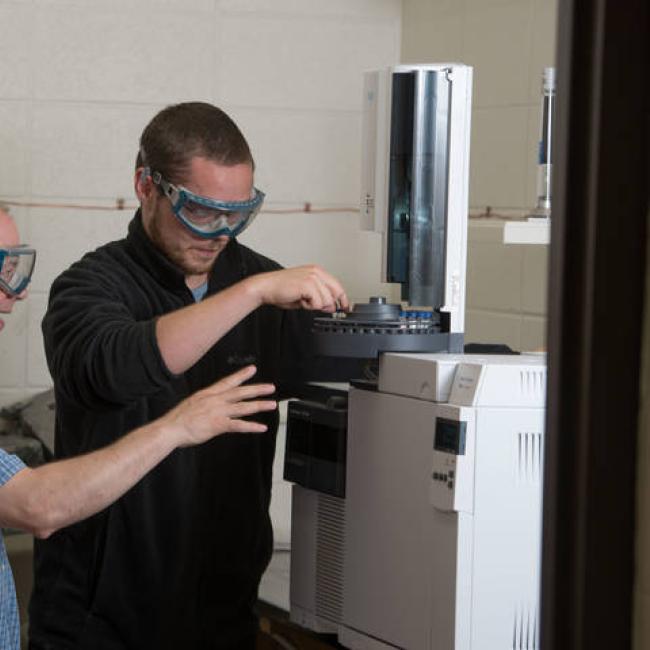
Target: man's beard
(187,266)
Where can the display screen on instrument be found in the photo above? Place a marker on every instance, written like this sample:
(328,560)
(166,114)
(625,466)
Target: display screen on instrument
(450,436)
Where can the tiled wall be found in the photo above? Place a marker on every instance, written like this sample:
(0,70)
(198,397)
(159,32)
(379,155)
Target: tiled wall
(506,289)
(508,42)
(80,78)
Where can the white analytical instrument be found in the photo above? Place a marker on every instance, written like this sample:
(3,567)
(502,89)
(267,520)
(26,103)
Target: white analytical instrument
(436,543)
(416,504)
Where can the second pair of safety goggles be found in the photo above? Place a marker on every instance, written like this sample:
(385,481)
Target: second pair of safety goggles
(16,268)
(207,217)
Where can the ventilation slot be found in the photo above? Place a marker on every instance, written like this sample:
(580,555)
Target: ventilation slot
(329,558)
(529,456)
(532,383)
(525,629)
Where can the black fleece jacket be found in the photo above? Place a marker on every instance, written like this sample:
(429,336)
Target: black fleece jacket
(176,562)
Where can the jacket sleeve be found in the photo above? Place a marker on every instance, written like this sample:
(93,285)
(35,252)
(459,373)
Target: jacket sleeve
(98,353)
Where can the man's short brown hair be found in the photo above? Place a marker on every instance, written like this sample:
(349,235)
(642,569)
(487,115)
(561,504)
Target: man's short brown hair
(182,131)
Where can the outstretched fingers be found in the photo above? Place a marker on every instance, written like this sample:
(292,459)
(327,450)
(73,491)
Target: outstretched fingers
(242,409)
(251,391)
(246,426)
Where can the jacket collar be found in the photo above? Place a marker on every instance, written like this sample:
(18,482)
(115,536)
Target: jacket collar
(227,269)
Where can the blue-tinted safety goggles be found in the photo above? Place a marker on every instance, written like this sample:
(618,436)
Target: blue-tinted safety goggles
(16,268)
(205,217)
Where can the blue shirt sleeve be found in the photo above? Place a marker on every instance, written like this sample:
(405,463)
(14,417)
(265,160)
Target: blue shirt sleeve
(10,464)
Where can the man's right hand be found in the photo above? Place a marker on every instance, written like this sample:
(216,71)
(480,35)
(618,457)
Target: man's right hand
(218,409)
(303,287)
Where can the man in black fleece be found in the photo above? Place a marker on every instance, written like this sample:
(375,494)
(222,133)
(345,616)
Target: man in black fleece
(132,329)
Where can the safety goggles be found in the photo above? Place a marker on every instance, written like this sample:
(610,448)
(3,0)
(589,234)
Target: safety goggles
(16,268)
(207,217)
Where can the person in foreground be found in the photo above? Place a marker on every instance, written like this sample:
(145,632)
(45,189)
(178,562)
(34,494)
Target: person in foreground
(132,329)
(49,497)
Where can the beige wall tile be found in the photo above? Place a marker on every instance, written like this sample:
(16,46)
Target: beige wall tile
(185,6)
(86,150)
(493,327)
(305,155)
(432,32)
(485,230)
(427,10)
(532,148)
(543,43)
(373,9)
(533,334)
(94,54)
(302,63)
(506,279)
(477,5)
(494,273)
(498,159)
(16,72)
(82,231)
(14,146)
(497,43)
(534,279)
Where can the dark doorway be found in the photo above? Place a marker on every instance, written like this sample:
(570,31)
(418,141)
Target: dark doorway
(596,290)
